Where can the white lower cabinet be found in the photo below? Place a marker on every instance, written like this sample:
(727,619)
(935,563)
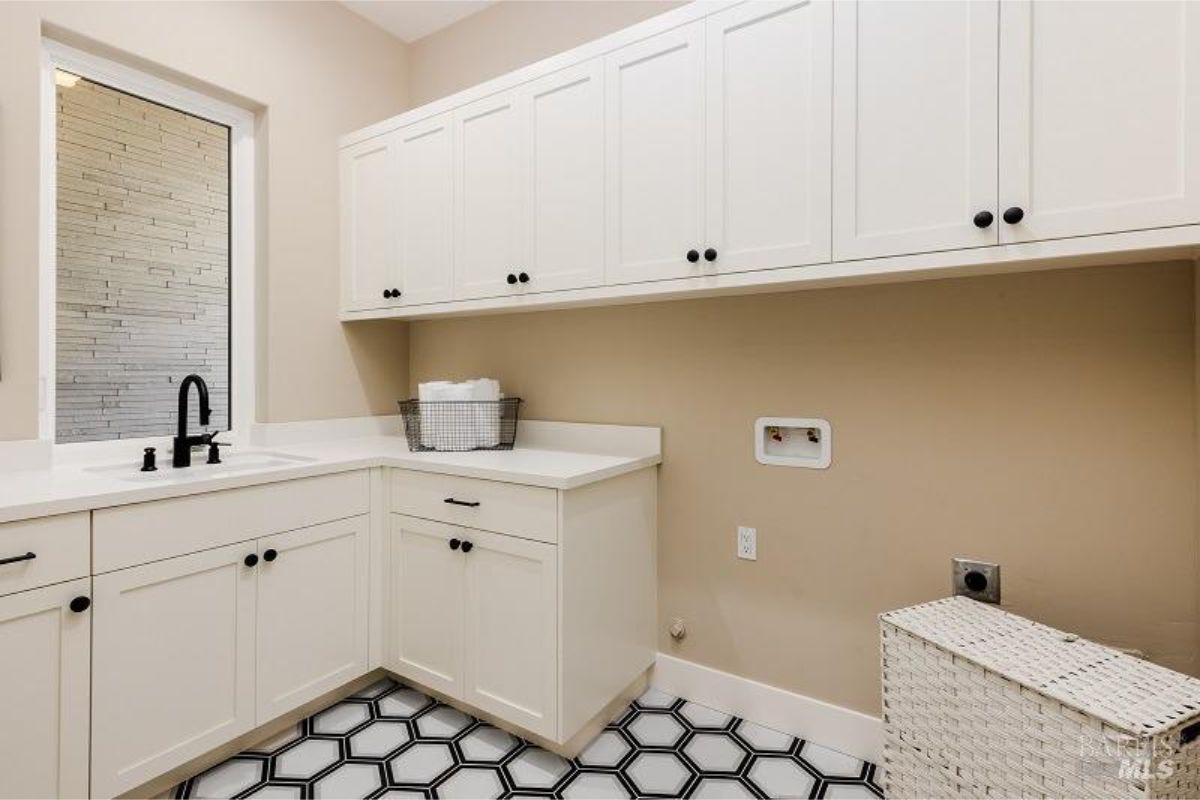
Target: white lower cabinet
(510,625)
(312,613)
(193,651)
(45,653)
(541,628)
(425,602)
(474,615)
(534,606)
(173,664)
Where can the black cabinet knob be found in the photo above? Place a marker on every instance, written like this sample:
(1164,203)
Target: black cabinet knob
(387,294)
(455,544)
(710,254)
(1014,215)
(693,256)
(466,546)
(511,279)
(80,604)
(983,219)
(270,554)
(523,277)
(250,560)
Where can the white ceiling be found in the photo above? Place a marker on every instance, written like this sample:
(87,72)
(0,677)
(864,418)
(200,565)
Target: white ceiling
(409,20)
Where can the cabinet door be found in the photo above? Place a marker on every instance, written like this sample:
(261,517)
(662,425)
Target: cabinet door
(312,613)
(1099,116)
(914,126)
(424,186)
(368,223)
(769,80)
(654,137)
(172,664)
(425,602)
(565,156)
(489,199)
(511,629)
(45,659)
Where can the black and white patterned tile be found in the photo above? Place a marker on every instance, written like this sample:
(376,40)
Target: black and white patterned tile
(392,741)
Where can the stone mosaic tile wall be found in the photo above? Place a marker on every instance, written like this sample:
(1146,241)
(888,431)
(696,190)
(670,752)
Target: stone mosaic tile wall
(143,263)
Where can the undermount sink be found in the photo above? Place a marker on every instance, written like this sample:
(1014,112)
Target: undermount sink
(231,463)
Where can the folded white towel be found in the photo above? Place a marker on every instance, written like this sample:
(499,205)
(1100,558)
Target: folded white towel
(487,417)
(460,427)
(432,417)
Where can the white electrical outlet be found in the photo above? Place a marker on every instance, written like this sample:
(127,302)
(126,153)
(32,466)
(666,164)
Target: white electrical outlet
(747,543)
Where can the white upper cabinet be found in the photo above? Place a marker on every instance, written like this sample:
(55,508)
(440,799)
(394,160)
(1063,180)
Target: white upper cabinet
(654,135)
(490,242)
(424,224)
(914,127)
(565,159)
(368,215)
(1099,116)
(735,146)
(768,119)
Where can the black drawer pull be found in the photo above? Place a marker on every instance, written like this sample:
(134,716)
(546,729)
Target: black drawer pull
(466,547)
(466,503)
(26,557)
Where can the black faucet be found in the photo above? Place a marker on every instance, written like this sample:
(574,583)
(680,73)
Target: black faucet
(183,442)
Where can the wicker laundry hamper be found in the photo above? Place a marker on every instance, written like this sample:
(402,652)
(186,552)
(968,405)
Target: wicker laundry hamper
(978,702)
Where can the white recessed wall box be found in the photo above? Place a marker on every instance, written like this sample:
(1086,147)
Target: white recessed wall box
(793,442)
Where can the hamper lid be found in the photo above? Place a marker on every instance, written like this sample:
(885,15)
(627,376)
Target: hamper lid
(1123,691)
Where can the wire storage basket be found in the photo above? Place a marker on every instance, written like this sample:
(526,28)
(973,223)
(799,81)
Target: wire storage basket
(460,425)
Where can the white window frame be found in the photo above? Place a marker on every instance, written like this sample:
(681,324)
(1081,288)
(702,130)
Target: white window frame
(242,265)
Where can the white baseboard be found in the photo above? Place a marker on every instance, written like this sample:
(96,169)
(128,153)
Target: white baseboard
(842,729)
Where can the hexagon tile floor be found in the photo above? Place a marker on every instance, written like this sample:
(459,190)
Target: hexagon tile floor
(392,741)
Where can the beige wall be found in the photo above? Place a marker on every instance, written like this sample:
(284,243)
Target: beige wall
(511,34)
(1045,421)
(313,71)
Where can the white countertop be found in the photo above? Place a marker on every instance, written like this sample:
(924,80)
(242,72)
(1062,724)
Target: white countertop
(538,461)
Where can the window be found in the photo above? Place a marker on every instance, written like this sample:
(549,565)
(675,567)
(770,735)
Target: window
(149,254)
(142,262)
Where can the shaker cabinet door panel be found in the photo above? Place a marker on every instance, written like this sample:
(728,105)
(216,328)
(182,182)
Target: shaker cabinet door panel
(510,629)
(914,142)
(368,223)
(425,603)
(768,116)
(173,664)
(565,157)
(489,197)
(45,655)
(425,211)
(312,613)
(654,145)
(1099,116)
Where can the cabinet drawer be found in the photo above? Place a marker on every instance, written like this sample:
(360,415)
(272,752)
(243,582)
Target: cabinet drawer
(60,547)
(527,511)
(145,532)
